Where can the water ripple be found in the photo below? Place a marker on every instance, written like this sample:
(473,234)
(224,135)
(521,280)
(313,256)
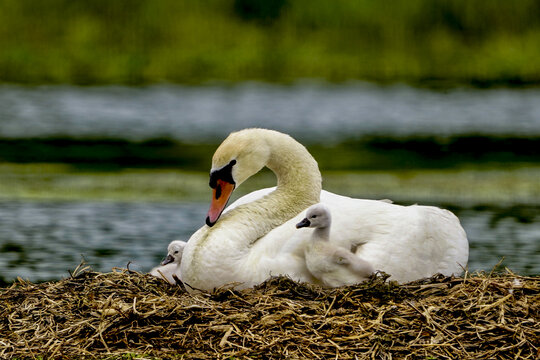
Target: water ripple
(308,111)
(42,240)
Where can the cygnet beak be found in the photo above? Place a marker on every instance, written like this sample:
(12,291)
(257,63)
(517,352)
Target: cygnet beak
(303,223)
(169,259)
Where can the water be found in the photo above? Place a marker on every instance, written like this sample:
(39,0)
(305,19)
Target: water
(42,240)
(308,111)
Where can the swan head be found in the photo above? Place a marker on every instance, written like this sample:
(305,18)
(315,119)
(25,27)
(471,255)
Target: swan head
(317,216)
(174,252)
(241,155)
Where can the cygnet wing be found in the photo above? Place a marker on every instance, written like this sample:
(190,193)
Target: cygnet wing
(341,256)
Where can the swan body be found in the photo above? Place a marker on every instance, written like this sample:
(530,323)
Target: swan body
(171,264)
(331,264)
(256,237)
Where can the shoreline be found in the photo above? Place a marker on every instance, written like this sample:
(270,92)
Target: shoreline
(466,186)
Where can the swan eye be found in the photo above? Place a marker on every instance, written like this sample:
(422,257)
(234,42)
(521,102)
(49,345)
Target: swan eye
(313,216)
(176,252)
(224,174)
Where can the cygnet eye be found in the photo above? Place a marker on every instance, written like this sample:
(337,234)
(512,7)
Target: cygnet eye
(313,216)
(176,252)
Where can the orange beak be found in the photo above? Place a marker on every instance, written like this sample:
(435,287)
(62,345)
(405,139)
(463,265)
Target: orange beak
(220,196)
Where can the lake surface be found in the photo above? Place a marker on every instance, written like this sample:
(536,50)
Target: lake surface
(308,111)
(42,240)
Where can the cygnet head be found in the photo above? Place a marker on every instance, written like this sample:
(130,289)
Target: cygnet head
(317,216)
(174,252)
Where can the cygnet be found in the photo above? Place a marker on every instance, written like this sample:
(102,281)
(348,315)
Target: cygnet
(171,264)
(333,265)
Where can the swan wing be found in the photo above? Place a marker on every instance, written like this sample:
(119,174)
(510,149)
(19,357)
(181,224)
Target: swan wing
(408,242)
(252,196)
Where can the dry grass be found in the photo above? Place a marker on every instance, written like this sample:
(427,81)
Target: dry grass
(110,315)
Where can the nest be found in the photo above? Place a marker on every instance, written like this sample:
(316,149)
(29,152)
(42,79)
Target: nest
(96,315)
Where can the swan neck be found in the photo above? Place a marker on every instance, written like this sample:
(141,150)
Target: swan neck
(229,242)
(296,170)
(299,185)
(321,234)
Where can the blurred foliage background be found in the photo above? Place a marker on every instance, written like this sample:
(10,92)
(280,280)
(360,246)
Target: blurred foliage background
(476,42)
(429,43)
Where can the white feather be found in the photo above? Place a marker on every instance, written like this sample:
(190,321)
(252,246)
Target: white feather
(331,264)
(174,251)
(256,237)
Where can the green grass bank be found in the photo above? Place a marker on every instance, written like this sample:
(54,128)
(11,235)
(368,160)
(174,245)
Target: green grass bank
(371,152)
(467,169)
(451,186)
(421,42)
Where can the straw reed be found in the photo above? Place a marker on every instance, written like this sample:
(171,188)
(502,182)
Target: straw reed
(124,314)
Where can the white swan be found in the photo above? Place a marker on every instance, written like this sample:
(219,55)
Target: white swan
(171,264)
(258,239)
(331,264)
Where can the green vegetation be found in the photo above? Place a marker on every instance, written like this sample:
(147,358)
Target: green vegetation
(465,186)
(491,169)
(137,41)
(364,153)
